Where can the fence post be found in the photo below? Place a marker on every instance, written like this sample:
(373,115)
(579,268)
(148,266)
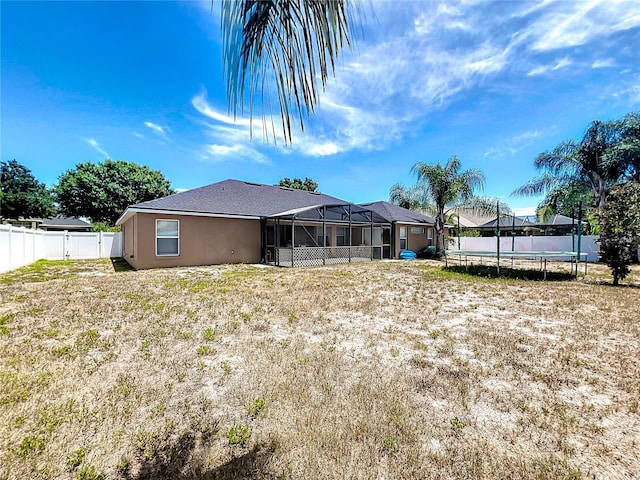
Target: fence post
(100,255)
(65,246)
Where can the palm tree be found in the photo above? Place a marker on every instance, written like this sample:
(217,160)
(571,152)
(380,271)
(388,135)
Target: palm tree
(589,162)
(410,198)
(446,188)
(627,151)
(290,43)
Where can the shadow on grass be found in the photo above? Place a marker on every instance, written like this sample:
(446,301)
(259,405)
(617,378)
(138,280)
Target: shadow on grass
(120,265)
(178,462)
(622,284)
(487,271)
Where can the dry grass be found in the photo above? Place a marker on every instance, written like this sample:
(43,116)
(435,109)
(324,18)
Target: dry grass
(380,370)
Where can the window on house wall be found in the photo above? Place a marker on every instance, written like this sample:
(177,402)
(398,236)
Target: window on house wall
(341,236)
(403,238)
(319,238)
(167,238)
(430,236)
(417,230)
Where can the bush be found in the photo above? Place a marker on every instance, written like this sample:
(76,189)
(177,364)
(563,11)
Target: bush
(620,229)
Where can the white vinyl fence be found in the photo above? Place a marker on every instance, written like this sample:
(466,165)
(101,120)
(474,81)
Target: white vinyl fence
(528,244)
(22,246)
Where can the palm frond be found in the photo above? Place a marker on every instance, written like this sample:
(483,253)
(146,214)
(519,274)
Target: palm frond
(545,211)
(542,184)
(282,47)
(561,158)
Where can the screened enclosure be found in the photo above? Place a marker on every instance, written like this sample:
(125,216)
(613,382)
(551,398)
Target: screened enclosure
(326,234)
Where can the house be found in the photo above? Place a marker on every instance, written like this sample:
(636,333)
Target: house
(508,225)
(468,218)
(529,225)
(59,224)
(409,230)
(242,222)
(555,225)
(56,224)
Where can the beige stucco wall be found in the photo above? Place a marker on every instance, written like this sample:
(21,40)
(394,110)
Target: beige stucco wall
(415,241)
(128,240)
(203,241)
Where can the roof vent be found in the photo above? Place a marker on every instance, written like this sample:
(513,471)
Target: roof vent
(253,184)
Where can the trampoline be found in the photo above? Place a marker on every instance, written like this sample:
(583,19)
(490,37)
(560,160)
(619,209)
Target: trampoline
(573,257)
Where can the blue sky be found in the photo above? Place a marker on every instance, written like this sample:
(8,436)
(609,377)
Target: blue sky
(494,83)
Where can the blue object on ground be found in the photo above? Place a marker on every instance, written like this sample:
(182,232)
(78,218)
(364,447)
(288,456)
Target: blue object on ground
(407,255)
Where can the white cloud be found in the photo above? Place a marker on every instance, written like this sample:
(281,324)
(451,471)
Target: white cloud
(232,139)
(320,150)
(200,103)
(538,71)
(96,146)
(571,24)
(217,153)
(630,92)
(158,129)
(138,135)
(513,144)
(606,63)
(222,150)
(562,63)
(565,62)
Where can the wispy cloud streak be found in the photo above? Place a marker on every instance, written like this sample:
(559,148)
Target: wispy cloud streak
(158,129)
(96,146)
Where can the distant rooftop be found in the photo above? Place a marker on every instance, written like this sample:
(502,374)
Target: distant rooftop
(396,213)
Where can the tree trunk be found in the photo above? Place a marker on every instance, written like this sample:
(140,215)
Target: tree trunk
(439,228)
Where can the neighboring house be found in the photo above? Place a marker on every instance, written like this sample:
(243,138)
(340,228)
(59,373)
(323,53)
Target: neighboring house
(468,218)
(56,224)
(555,225)
(529,225)
(242,222)
(409,230)
(509,225)
(59,224)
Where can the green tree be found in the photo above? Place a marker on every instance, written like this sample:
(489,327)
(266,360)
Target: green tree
(620,229)
(565,201)
(444,188)
(21,195)
(574,166)
(410,198)
(103,191)
(299,184)
(286,46)
(627,151)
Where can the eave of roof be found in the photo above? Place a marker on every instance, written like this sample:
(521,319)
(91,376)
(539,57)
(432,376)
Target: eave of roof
(130,211)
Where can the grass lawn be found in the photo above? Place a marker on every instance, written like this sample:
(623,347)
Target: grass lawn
(372,370)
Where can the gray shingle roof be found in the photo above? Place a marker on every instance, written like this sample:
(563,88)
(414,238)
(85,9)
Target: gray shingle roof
(64,222)
(508,221)
(235,197)
(395,213)
(554,220)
